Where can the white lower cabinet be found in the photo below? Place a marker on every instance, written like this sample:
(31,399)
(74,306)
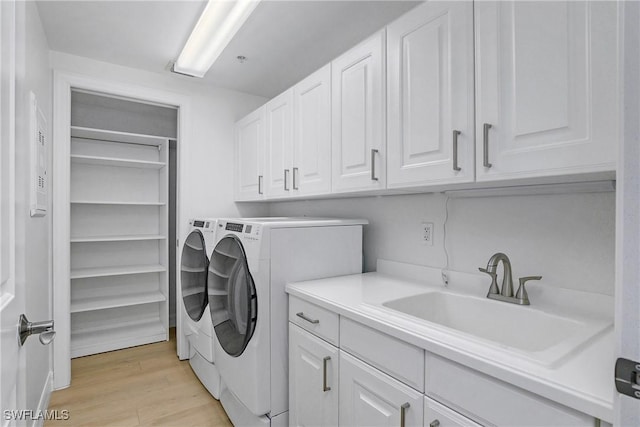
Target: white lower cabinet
(313,380)
(332,386)
(369,397)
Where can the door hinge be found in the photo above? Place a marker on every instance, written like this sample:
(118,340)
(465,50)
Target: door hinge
(628,377)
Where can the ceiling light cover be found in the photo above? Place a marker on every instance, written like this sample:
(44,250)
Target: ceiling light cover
(219,22)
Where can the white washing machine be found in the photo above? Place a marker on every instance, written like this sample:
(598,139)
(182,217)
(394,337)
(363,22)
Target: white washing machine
(196,319)
(250,265)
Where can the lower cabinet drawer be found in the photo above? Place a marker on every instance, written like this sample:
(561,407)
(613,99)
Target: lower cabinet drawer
(317,320)
(489,401)
(437,415)
(369,397)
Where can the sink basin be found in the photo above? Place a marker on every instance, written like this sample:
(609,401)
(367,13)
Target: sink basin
(543,337)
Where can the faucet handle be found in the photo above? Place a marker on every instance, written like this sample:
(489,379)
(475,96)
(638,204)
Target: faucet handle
(494,282)
(522,291)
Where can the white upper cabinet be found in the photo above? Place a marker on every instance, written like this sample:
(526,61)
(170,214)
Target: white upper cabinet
(430,111)
(311,169)
(279,128)
(547,88)
(250,145)
(358,107)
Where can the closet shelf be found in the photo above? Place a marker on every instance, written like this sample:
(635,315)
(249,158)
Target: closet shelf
(116,202)
(82,273)
(115,336)
(113,161)
(102,302)
(123,238)
(115,136)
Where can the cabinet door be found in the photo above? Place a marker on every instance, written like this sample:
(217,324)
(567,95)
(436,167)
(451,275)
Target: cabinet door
(430,110)
(370,398)
(313,380)
(312,134)
(547,85)
(279,127)
(358,105)
(250,147)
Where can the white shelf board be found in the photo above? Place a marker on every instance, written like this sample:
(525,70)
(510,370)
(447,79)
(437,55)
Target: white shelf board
(82,273)
(115,136)
(116,202)
(104,338)
(102,303)
(123,238)
(113,161)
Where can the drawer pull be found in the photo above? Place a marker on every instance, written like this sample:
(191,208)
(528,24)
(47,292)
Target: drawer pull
(403,410)
(434,423)
(325,387)
(308,319)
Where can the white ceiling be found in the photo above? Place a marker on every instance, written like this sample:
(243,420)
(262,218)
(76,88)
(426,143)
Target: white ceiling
(283,40)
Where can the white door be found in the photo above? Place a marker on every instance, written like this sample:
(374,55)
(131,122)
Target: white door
(279,151)
(547,88)
(430,109)
(627,291)
(11,295)
(370,398)
(358,127)
(312,134)
(313,380)
(250,135)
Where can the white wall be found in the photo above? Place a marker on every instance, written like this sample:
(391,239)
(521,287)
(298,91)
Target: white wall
(33,235)
(566,238)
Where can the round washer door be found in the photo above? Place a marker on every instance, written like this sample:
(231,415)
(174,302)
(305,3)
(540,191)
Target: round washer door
(193,275)
(232,296)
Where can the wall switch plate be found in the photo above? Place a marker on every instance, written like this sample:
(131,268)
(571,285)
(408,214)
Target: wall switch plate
(427,233)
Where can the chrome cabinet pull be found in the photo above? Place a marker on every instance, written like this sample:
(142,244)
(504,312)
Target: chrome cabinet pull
(308,319)
(373,164)
(325,387)
(403,410)
(286,179)
(259,184)
(295,183)
(485,142)
(434,423)
(456,133)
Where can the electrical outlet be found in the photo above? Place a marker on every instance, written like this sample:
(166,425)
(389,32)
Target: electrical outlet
(427,233)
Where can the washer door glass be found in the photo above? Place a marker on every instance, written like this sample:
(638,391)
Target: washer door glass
(193,275)
(232,296)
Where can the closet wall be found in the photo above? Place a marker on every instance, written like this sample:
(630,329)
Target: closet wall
(119,222)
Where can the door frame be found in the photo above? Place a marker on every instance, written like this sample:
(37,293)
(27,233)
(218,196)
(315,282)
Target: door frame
(63,83)
(627,289)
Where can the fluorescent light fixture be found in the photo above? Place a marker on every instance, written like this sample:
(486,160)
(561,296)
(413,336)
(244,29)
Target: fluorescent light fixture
(219,22)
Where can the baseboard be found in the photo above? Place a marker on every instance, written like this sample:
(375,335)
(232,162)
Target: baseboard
(45,397)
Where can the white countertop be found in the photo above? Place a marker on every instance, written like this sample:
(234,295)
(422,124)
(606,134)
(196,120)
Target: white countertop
(582,381)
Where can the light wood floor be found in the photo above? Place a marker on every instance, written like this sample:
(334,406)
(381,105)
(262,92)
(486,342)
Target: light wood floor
(139,386)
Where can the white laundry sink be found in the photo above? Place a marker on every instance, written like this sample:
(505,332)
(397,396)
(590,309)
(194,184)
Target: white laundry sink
(542,337)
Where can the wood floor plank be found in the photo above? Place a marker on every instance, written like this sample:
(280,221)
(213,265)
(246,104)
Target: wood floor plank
(145,385)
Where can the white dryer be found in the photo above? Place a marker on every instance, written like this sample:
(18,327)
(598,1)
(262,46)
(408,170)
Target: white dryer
(250,265)
(196,320)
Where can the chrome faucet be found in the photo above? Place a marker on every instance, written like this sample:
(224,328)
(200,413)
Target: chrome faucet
(505,292)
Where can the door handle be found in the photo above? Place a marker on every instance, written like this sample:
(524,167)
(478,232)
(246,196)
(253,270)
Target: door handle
(456,168)
(373,164)
(325,387)
(403,410)
(286,180)
(295,180)
(44,330)
(485,145)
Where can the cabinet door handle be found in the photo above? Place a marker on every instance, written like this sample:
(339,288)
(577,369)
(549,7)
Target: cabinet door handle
(373,164)
(325,387)
(456,133)
(435,423)
(295,180)
(308,319)
(403,410)
(485,143)
(286,180)
(259,184)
